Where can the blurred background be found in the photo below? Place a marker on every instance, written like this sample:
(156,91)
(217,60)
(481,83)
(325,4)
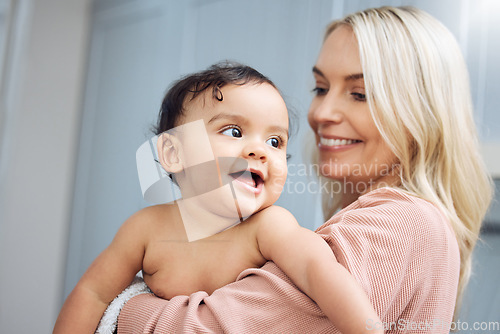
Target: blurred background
(81,82)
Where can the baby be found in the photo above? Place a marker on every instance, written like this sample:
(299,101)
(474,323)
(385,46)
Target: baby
(222,137)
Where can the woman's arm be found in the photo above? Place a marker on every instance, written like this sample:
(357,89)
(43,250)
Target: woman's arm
(262,300)
(106,277)
(306,258)
(408,269)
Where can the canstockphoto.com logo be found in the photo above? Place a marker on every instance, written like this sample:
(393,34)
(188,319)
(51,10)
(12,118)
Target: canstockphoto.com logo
(433,325)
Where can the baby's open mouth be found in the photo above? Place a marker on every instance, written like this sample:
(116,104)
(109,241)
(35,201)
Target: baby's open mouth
(251,179)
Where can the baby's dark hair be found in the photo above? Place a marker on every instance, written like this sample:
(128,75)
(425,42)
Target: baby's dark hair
(214,78)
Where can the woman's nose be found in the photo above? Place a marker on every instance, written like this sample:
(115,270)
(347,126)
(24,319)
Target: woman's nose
(255,151)
(327,110)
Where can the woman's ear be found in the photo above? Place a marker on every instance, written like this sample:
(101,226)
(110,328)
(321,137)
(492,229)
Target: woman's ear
(169,153)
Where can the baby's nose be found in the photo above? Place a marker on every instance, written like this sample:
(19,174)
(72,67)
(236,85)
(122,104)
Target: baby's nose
(256,152)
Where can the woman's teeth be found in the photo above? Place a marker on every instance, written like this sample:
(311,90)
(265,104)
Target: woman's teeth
(337,142)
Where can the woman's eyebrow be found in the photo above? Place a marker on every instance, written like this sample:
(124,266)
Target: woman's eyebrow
(349,77)
(317,71)
(354,77)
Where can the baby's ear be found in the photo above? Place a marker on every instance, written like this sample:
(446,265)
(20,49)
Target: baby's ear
(169,153)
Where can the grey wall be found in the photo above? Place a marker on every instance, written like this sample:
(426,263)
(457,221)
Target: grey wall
(40,107)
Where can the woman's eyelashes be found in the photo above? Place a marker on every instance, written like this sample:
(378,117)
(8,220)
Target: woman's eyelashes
(359,97)
(319,91)
(236,132)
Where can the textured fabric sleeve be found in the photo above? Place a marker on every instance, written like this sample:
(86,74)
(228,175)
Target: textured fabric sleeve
(399,248)
(261,300)
(404,254)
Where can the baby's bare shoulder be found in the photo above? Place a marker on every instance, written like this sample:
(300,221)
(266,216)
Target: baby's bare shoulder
(155,211)
(276,216)
(154,217)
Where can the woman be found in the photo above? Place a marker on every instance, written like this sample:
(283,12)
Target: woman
(393,121)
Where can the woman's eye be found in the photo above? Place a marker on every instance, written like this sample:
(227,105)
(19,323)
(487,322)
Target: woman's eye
(274,142)
(232,132)
(319,91)
(359,97)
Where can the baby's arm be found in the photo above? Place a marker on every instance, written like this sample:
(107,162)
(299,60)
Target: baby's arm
(107,276)
(310,263)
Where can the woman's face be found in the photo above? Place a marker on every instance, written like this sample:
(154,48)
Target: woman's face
(351,149)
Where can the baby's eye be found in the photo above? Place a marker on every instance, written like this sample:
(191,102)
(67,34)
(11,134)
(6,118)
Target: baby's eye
(274,142)
(232,132)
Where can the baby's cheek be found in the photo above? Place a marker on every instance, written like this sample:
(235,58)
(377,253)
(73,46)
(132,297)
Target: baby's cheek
(279,167)
(280,178)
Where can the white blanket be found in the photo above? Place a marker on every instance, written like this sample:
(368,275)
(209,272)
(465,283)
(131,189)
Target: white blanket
(109,320)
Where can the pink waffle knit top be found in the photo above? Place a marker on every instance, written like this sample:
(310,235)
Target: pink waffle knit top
(400,248)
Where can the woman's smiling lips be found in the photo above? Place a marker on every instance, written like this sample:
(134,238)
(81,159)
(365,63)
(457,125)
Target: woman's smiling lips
(337,143)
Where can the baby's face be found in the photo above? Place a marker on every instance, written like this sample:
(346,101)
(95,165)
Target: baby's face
(250,125)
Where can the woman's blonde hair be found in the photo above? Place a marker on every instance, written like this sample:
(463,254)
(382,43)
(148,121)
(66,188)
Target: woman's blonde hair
(417,87)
